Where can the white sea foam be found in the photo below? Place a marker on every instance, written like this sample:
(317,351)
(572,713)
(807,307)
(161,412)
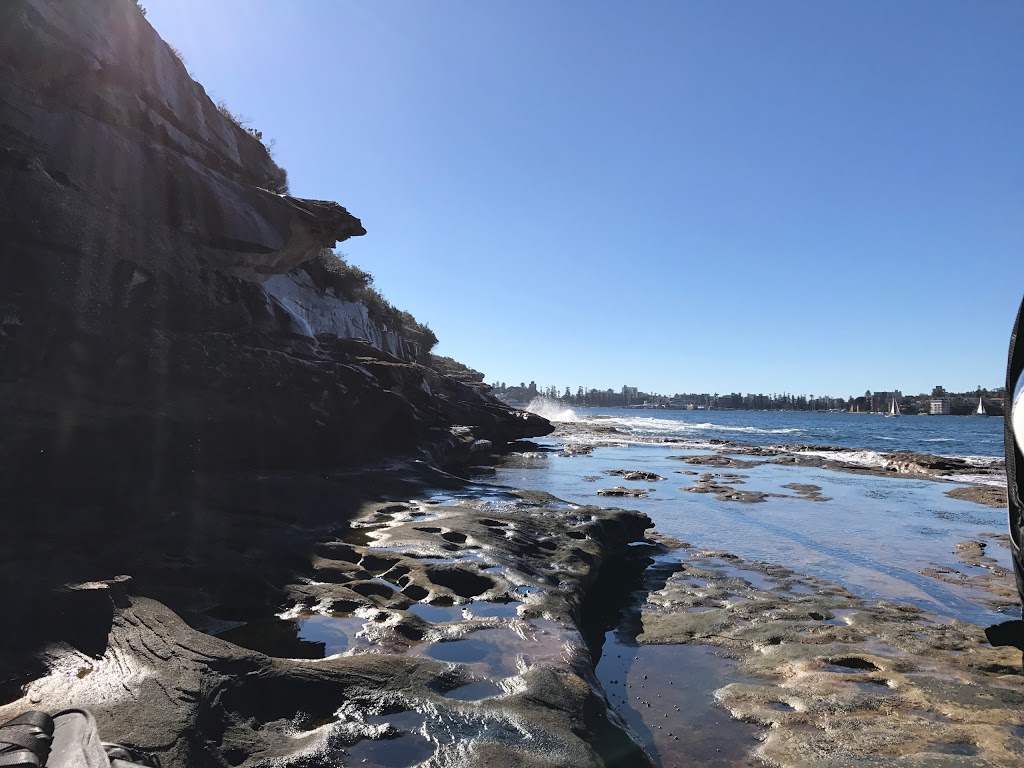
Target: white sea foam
(877,460)
(650,424)
(981,461)
(552,410)
(997,481)
(862,458)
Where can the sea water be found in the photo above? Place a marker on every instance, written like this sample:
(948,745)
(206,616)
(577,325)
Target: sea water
(874,536)
(961,436)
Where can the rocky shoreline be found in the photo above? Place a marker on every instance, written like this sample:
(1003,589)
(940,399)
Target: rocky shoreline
(836,680)
(201,550)
(407,617)
(184,379)
(422,620)
(469,605)
(923,466)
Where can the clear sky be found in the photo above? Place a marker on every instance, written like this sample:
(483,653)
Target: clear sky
(682,196)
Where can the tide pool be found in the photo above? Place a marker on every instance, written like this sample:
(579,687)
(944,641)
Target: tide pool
(874,535)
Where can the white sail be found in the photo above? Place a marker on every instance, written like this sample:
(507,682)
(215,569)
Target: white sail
(981,408)
(894,409)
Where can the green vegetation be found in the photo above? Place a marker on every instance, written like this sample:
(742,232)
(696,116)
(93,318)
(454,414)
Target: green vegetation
(329,270)
(277,179)
(451,367)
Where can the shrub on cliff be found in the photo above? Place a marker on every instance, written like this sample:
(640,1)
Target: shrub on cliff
(277,180)
(277,177)
(449,366)
(349,282)
(329,270)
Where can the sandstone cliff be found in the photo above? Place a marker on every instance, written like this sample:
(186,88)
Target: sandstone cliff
(154,318)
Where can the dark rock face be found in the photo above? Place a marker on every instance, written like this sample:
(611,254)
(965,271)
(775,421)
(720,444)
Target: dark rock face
(152,319)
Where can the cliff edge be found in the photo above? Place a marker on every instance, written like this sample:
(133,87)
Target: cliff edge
(158,315)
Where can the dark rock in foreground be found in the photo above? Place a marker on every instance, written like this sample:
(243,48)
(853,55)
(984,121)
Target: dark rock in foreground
(169,345)
(470,647)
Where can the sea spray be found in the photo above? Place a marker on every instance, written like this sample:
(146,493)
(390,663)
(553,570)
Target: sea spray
(552,410)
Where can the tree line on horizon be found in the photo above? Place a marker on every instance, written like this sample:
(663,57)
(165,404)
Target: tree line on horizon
(961,403)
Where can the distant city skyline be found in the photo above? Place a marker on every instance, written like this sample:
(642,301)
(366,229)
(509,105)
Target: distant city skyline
(543,387)
(783,194)
(939,401)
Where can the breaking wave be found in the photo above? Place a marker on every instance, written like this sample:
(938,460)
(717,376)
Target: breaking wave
(642,424)
(863,458)
(552,410)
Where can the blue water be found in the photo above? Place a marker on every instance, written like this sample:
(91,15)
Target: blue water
(945,435)
(875,536)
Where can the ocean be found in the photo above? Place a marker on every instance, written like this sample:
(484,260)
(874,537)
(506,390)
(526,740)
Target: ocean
(960,436)
(875,535)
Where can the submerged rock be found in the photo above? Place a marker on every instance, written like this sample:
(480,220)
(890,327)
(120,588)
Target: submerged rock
(634,475)
(716,460)
(990,496)
(622,491)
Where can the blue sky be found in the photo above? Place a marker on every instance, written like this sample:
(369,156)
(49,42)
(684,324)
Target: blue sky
(681,196)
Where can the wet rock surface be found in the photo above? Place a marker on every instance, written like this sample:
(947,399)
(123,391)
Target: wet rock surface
(836,680)
(908,463)
(917,465)
(716,460)
(723,486)
(723,489)
(807,491)
(989,582)
(988,495)
(622,491)
(430,625)
(810,673)
(635,475)
(837,458)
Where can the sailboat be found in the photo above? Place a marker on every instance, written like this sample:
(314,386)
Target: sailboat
(981,408)
(894,409)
